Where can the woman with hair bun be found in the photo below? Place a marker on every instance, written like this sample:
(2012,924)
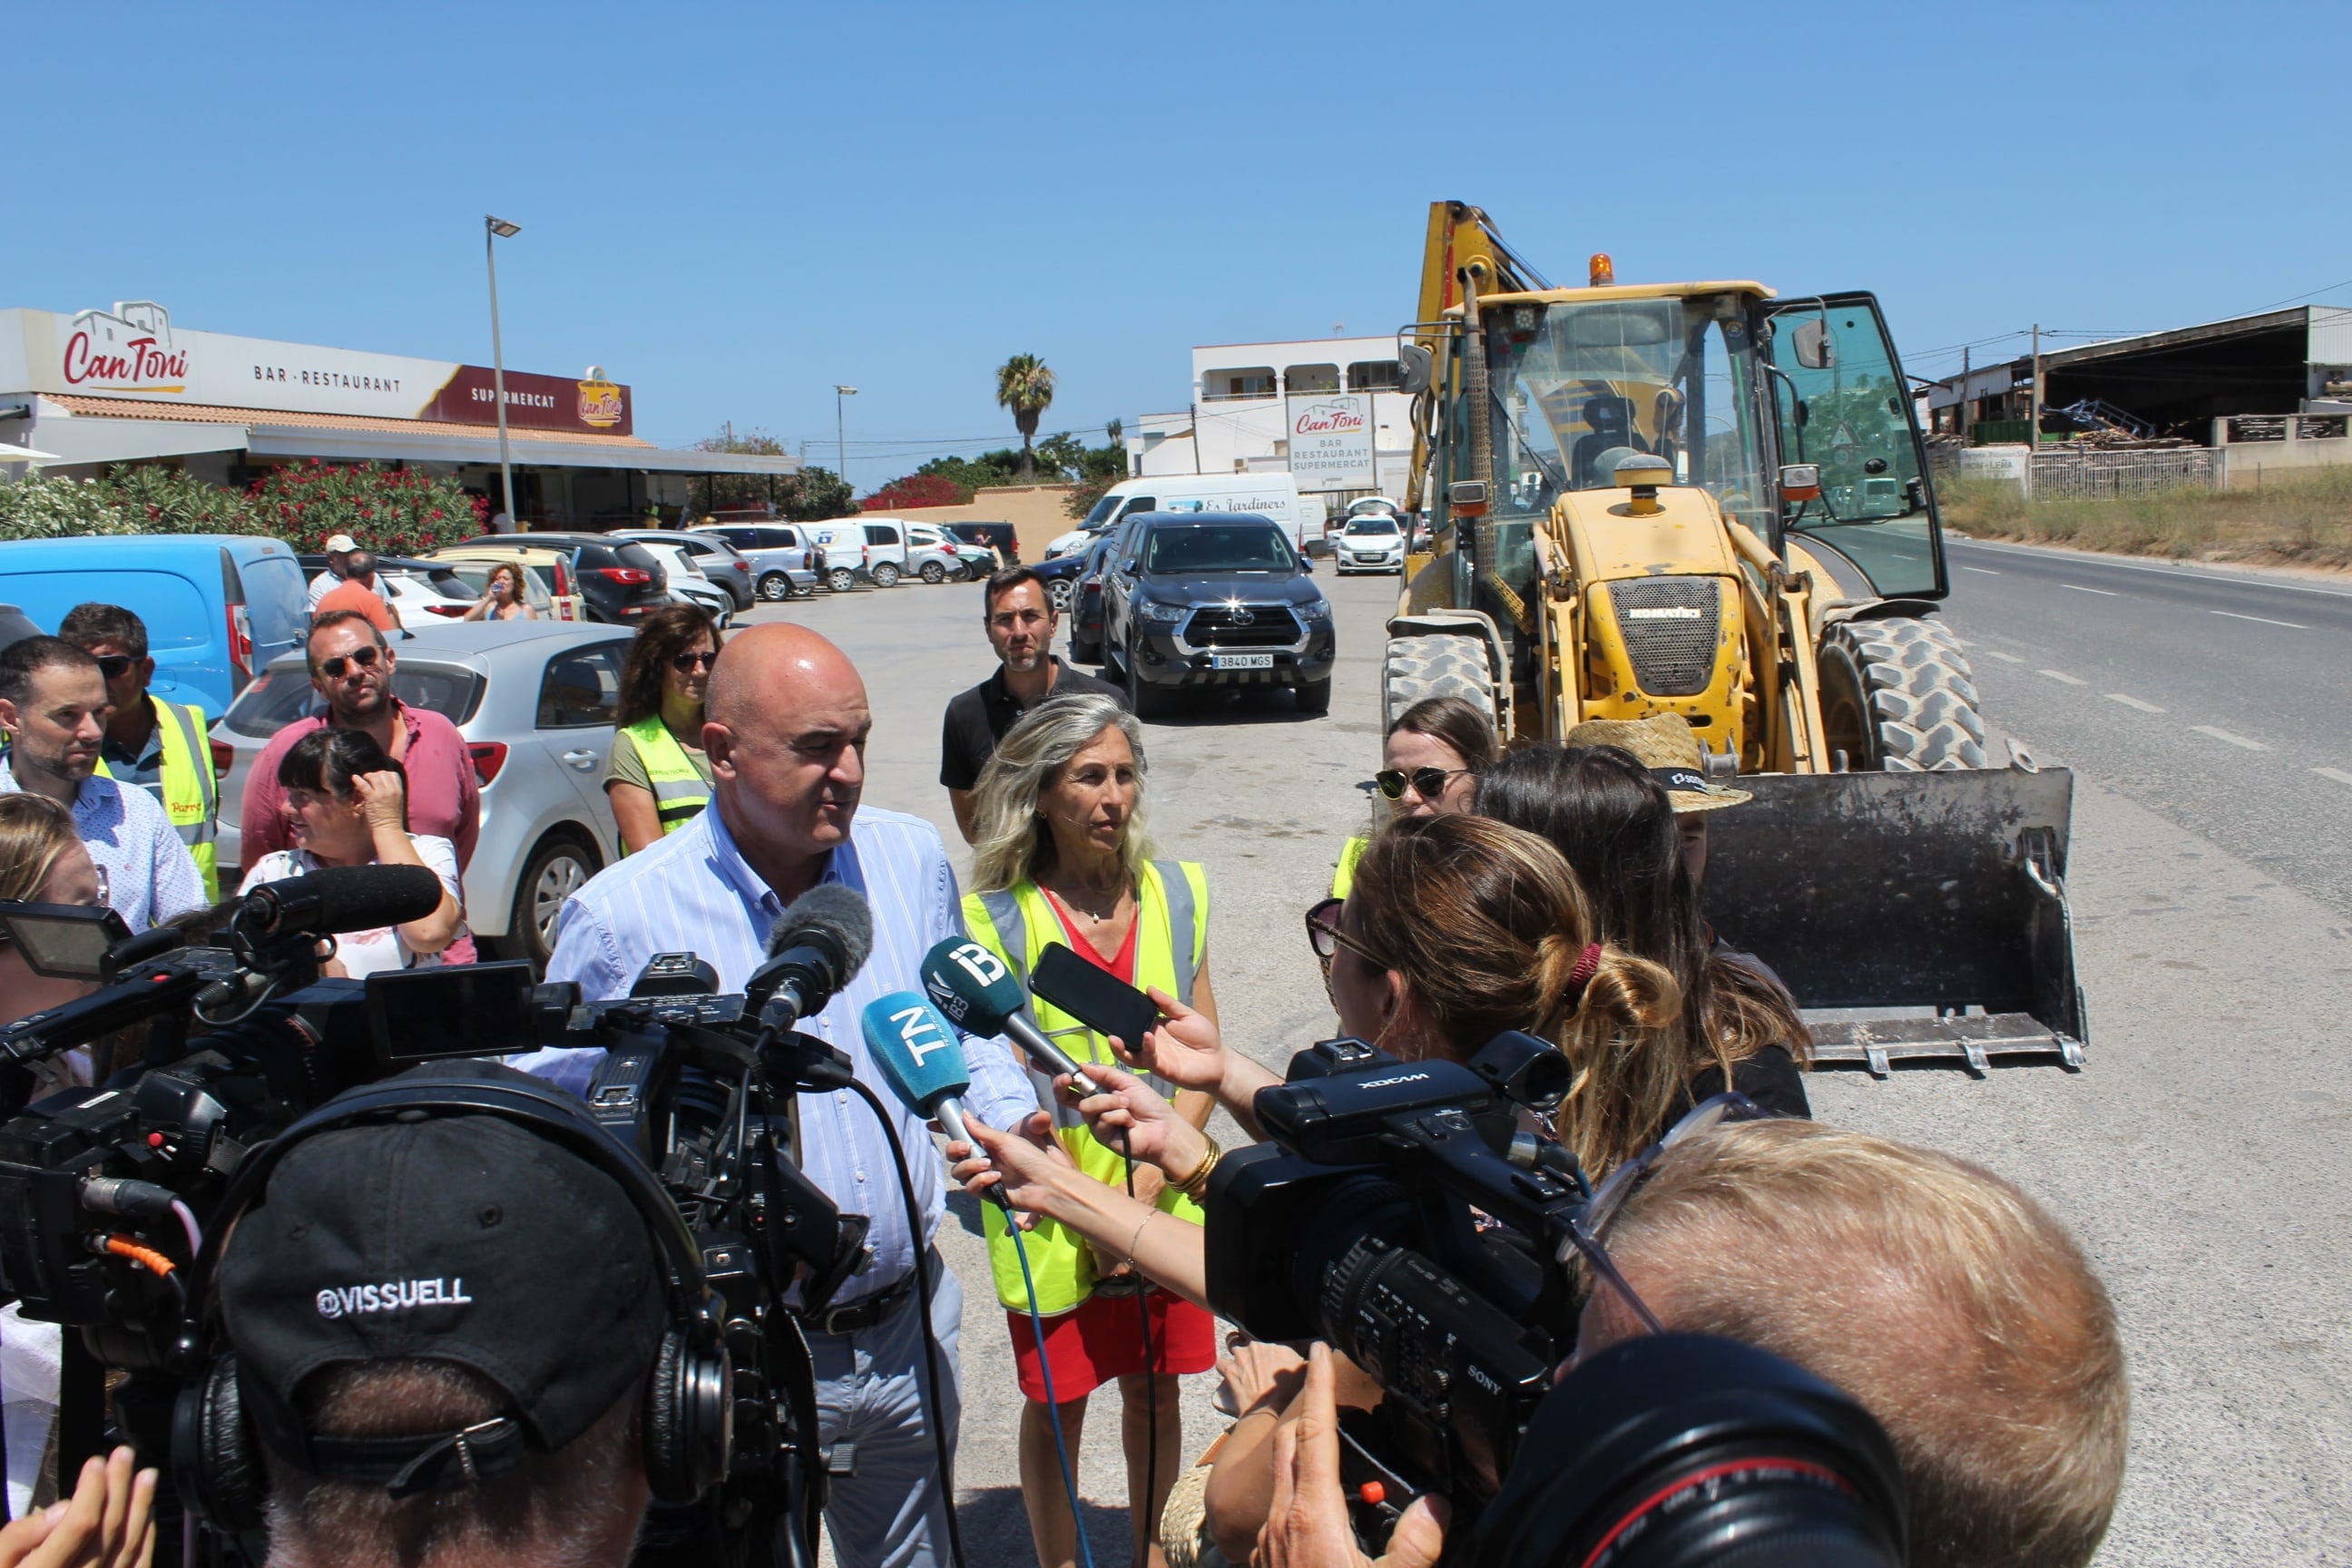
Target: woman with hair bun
(1613,818)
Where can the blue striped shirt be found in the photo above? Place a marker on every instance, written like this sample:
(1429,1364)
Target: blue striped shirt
(694,892)
(150,875)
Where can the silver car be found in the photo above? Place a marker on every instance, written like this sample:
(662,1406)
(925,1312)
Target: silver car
(535,702)
(720,560)
(786,562)
(688,583)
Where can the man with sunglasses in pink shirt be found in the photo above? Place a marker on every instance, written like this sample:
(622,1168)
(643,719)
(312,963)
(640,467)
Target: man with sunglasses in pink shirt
(351,669)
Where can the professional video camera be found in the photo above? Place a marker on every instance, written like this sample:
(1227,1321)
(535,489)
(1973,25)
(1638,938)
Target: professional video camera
(107,1190)
(1400,1213)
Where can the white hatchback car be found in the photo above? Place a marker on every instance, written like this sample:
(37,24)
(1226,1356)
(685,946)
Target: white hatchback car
(1371,542)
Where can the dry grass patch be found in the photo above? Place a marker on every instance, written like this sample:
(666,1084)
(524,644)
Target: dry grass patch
(2304,520)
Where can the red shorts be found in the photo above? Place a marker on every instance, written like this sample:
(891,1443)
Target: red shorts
(1102,1339)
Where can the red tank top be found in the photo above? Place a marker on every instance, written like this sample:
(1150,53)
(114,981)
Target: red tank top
(1120,968)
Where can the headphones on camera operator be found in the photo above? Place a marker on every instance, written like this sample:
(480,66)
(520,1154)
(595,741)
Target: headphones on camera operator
(687,1403)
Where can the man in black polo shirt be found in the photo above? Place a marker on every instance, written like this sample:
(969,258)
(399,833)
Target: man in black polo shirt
(1021,622)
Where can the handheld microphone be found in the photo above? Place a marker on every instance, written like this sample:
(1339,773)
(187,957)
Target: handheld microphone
(973,986)
(342,898)
(816,947)
(922,1062)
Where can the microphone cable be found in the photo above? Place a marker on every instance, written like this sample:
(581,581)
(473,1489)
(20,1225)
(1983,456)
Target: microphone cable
(1053,1408)
(922,1250)
(1150,1374)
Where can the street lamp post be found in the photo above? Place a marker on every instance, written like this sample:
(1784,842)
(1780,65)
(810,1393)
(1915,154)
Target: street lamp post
(840,435)
(495,229)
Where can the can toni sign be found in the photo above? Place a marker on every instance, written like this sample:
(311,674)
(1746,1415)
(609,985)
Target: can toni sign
(1331,441)
(127,349)
(133,352)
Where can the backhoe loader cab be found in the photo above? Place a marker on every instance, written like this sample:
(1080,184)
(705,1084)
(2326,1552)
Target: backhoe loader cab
(1704,500)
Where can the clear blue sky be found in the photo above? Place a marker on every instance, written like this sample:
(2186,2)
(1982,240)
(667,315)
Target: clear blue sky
(733,208)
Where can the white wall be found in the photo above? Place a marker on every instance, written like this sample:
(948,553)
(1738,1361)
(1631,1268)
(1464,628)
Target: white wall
(1222,434)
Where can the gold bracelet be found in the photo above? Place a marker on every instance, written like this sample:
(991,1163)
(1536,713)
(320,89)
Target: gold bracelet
(1194,1186)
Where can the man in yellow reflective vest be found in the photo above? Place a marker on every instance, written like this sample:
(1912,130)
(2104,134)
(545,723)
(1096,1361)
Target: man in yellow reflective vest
(160,746)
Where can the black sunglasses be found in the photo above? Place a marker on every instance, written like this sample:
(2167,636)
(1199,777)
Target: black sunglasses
(687,663)
(114,666)
(360,658)
(1427,782)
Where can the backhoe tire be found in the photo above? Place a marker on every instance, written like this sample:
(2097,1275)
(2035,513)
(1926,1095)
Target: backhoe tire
(1898,696)
(1434,664)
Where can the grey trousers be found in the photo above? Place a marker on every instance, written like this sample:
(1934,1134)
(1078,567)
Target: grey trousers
(891,1513)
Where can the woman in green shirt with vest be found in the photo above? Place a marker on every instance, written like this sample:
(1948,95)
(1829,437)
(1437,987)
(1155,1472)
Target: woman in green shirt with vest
(655,776)
(1061,856)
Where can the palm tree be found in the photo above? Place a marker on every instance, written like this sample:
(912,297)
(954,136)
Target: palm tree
(1024,385)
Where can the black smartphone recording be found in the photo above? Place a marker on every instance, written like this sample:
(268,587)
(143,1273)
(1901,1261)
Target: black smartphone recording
(1103,1004)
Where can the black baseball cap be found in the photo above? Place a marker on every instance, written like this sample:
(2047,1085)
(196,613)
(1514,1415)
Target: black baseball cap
(462,1237)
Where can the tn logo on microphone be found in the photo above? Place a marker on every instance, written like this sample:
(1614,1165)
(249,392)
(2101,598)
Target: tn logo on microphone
(918,1034)
(980,963)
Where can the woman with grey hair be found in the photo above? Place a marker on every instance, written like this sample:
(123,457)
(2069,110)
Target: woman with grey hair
(1061,856)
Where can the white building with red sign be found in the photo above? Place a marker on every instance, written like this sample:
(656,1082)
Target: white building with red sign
(126,386)
(1325,410)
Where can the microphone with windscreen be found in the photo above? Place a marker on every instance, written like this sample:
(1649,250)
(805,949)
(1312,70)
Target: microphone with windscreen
(921,1060)
(816,947)
(342,898)
(973,986)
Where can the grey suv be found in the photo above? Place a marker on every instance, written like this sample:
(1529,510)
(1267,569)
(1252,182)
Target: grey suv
(1194,600)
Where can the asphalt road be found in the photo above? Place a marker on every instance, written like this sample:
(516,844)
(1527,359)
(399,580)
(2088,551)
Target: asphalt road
(2201,1157)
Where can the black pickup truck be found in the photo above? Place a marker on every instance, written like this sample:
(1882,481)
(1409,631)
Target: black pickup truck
(1192,600)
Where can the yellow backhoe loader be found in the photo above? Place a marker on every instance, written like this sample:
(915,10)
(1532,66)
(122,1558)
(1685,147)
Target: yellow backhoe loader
(1706,500)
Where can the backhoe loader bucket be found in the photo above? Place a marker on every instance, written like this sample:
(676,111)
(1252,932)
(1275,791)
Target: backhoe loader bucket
(1913,914)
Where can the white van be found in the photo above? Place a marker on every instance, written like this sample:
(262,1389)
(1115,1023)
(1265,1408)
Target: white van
(1270,496)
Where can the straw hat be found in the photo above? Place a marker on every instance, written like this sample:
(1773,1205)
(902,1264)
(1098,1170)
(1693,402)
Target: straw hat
(1664,744)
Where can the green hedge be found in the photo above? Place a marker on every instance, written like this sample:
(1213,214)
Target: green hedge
(392,511)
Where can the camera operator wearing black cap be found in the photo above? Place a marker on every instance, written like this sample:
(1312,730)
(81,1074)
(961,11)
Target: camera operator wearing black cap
(443,1326)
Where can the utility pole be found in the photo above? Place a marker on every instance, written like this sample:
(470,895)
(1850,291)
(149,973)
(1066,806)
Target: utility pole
(2033,420)
(1196,435)
(493,230)
(2033,426)
(840,436)
(1964,396)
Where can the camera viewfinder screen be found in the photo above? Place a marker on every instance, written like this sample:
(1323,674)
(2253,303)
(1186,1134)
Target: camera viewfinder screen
(65,941)
(455,1010)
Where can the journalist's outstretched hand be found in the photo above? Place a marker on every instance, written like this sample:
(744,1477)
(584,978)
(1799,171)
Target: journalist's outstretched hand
(1187,1052)
(1038,1176)
(1134,1119)
(1306,1525)
(109,1522)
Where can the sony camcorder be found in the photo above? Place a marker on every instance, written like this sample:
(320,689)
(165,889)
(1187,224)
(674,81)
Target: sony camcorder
(1401,1211)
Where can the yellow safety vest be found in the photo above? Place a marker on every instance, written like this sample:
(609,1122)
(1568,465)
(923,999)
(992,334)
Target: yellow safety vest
(191,788)
(1017,923)
(680,791)
(1349,853)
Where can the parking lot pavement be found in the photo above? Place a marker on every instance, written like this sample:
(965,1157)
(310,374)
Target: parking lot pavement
(1263,797)
(2200,1158)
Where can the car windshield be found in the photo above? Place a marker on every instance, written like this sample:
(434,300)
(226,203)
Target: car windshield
(1372,523)
(282,693)
(1102,510)
(1218,547)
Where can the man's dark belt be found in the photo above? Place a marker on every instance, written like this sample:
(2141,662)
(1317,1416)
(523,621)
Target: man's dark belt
(856,1317)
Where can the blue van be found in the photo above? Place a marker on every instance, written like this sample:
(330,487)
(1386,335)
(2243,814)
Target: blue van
(218,606)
